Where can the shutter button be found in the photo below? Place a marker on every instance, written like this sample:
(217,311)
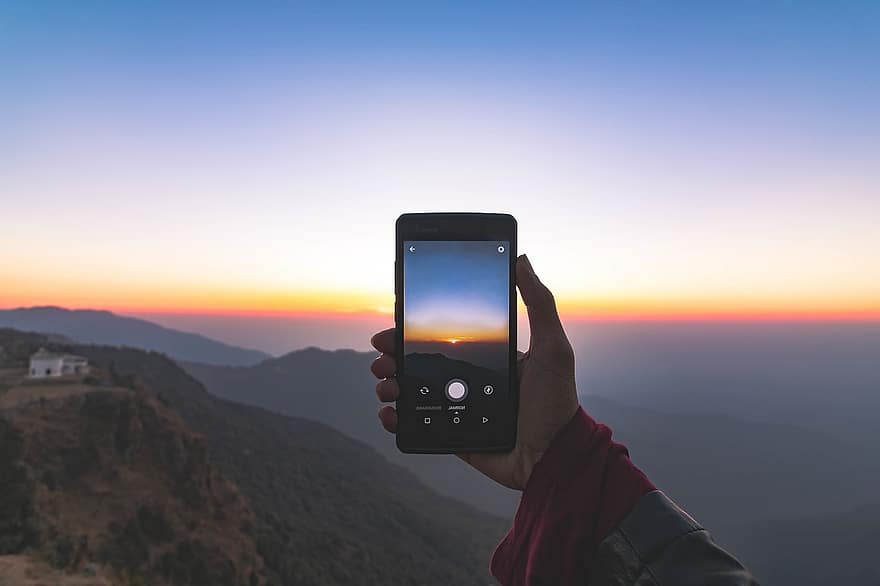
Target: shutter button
(456,389)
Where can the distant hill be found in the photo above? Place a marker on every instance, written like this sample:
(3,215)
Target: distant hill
(102,484)
(818,374)
(102,327)
(336,388)
(435,369)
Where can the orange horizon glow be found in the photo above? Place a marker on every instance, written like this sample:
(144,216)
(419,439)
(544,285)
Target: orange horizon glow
(454,334)
(715,310)
(155,296)
(578,310)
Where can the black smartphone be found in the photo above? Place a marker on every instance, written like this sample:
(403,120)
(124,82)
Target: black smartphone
(455,319)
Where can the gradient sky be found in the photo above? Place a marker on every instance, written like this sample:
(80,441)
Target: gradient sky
(456,291)
(662,158)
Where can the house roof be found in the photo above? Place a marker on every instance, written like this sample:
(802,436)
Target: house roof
(43,354)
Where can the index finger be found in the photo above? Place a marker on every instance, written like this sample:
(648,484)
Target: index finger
(384,341)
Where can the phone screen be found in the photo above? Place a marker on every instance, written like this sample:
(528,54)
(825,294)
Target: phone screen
(456,335)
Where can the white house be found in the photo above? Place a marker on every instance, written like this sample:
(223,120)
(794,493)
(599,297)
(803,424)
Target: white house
(49,364)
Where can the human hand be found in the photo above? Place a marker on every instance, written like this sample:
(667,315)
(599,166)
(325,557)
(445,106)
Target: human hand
(548,396)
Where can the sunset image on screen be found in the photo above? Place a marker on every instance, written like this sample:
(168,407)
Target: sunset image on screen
(456,300)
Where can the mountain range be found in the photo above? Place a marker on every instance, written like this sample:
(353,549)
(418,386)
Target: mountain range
(777,458)
(103,327)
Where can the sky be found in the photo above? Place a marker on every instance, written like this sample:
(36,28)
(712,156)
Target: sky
(663,159)
(456,291)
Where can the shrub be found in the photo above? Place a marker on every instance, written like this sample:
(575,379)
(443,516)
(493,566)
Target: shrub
(193,564)
(48,479)
(62,551)
(124,548)
(79,460)
(16,494)
(154,525)
(122,439)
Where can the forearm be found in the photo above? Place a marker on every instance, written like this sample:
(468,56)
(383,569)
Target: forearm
(580,490)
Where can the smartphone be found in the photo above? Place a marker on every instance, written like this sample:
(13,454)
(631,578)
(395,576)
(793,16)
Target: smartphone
(455,321)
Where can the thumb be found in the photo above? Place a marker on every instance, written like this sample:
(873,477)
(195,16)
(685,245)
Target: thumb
(544,321)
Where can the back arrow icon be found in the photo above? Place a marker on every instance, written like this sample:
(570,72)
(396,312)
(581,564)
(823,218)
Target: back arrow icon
(412,248)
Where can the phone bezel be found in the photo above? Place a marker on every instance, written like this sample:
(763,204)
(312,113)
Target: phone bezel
(460,226)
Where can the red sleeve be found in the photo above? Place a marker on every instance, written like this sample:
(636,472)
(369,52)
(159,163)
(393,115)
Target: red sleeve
(583,486)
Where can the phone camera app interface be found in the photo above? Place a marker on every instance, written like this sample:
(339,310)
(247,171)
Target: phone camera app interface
(456,328)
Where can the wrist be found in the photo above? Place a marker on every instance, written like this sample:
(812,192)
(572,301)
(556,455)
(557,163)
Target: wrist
(527,461)
(567,442)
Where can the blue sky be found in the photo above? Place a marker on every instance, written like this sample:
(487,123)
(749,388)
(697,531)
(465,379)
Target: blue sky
(456,290)
(721,156)
(830,39)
